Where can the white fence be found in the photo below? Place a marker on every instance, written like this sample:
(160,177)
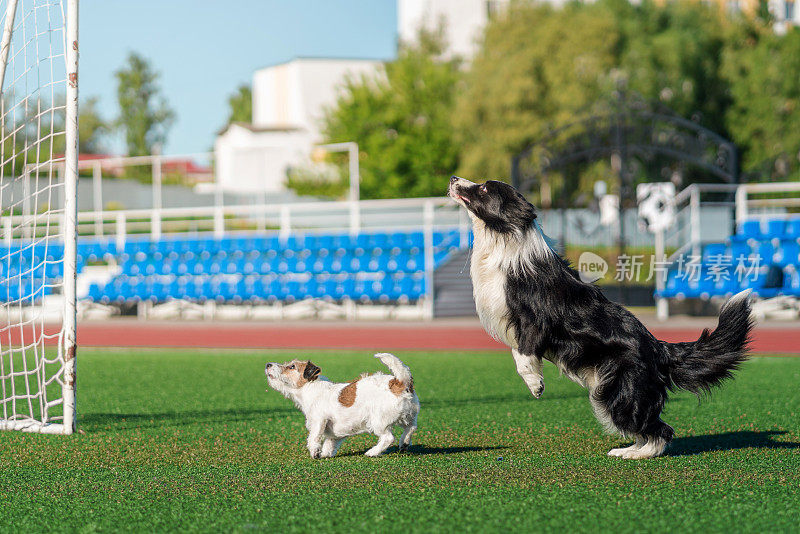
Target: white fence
(770,200)
(686,235)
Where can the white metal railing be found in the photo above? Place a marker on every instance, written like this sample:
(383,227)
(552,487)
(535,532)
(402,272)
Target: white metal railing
(686,234)
(283,218)
(156,161)
(768,205)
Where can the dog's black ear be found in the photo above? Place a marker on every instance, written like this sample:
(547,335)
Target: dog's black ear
(311,372)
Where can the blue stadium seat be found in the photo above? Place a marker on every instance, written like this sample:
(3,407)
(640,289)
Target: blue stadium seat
(788,254)
(751,229)
(791,282)
(715,250)
(738,251)
(242,267)
(793,228)
(95,292)
(765,253)
(775,229)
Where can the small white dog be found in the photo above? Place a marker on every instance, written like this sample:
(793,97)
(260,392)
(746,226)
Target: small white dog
(372,403)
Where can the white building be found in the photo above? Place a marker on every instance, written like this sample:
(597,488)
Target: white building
(463,21)
(289,100)
(786,14)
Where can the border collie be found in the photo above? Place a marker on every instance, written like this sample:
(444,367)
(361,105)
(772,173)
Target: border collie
(528,297)
(373,403)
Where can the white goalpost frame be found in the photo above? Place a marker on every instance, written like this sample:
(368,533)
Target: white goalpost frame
(67,346)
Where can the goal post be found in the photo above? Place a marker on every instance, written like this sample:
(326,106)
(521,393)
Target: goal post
(38,221)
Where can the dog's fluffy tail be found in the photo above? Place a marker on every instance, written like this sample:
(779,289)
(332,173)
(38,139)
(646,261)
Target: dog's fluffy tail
(400,370)
(700,365)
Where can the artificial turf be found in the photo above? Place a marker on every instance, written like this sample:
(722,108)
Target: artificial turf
(191,441)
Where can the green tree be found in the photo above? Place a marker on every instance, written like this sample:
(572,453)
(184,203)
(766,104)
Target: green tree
(145,117)
(92,128)
(763,70)
(763,13)
(401,120)
(240,105)
(538,68)
(35,129)
(673,54)
(541,68)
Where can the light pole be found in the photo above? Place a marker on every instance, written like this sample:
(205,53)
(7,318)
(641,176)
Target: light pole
(354,196)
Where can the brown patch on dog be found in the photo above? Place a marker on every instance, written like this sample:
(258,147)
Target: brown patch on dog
(347,397)
(397,387)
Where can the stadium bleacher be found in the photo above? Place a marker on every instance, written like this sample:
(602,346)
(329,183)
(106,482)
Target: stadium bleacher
(380,267)
(23,268)
(762,255)
(369,267)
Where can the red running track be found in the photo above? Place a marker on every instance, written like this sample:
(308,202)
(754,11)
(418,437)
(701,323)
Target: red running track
(362,336)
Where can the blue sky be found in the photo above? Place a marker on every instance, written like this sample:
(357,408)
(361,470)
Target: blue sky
(204,49)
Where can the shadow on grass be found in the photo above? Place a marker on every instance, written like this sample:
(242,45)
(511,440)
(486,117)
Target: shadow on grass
(422,450)
(150,420)
(729,441)
(447,403)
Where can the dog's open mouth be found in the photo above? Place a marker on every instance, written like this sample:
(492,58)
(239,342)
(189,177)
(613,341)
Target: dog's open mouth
(456,196)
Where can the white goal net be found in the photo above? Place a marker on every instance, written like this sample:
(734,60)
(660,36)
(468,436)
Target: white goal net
(38,173)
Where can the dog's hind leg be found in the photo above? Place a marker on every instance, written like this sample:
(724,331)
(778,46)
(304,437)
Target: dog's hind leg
(657,438)
(622,451)
(385,440)
(330,446)
(530,369)
(405,439)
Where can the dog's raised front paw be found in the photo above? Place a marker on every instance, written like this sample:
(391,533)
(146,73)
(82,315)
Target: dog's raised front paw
(536,386)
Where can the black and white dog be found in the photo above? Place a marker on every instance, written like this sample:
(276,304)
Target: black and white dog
(529,298)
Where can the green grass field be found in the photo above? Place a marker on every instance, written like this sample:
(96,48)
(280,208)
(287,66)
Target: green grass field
(191,441)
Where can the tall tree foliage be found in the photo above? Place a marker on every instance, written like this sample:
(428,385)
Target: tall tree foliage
(145,117)
(240,105)
(538,68)
(541,68)
(673,54)
(401,120)
(763,70)
(92,128)
(35,135)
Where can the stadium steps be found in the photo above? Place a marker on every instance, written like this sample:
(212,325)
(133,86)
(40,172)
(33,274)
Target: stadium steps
(453,287)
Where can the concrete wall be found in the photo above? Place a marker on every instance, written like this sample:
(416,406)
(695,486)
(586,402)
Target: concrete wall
(295,94)
(464,21)
(125,194)
(250,161)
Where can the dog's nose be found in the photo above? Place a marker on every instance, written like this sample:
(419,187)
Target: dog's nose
(269,365)
(454,179)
